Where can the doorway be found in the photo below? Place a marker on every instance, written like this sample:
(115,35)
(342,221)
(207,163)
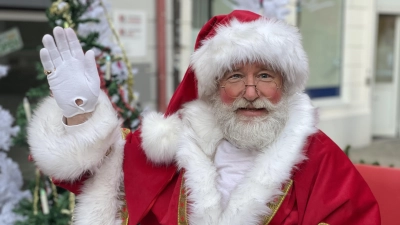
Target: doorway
(385,95)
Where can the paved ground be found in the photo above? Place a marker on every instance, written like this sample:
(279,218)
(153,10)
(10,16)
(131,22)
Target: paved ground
(384,151)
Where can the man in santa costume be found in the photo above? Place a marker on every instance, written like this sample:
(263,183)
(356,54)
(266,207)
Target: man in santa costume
(238,143)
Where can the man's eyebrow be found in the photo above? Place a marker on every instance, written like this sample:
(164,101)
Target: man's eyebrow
(234,69)
(267,68)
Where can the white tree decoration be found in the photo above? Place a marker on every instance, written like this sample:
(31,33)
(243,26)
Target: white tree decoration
(6,121)
(6,129)
(268,8)
(10,190)
(10,175)
(3,70)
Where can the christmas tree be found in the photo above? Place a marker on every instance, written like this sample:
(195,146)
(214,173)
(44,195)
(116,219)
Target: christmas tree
(95,31)
(49,206)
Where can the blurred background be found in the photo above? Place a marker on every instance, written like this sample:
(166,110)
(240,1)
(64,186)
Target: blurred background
(353,48)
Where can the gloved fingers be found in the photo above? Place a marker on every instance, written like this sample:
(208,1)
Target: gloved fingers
(91,72)
(62,43)
(46,60)
(74,44)
(49,44)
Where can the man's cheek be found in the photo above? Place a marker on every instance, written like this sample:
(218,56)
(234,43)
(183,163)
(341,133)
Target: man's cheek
(225,98)
(276,97)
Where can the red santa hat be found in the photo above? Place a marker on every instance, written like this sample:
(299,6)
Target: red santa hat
(240,37)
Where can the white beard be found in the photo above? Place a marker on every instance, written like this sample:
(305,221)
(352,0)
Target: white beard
(250,133)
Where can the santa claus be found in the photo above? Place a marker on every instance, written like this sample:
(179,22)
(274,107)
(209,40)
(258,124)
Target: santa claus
(238,143)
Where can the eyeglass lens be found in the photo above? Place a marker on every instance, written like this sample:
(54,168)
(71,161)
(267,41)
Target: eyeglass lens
(238,88)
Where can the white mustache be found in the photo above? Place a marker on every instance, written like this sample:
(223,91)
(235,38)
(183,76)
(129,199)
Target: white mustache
(260,103)
(253,134)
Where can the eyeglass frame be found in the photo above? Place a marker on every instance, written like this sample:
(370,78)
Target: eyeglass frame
(247,85)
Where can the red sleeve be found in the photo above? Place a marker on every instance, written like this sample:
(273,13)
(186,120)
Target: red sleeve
(143,181)
(330,190)
(74,187)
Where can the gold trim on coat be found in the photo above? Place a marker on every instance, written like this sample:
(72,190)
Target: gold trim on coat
(125,132)
(124,210)
(274,206)
(182,205)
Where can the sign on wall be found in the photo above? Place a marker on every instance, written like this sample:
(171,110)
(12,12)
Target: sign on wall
(131,28)
(10,41)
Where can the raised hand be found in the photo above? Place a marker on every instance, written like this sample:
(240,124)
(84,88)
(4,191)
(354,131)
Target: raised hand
(72,75)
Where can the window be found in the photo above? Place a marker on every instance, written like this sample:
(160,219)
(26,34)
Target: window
(320,22)
(22,63)
(385,52)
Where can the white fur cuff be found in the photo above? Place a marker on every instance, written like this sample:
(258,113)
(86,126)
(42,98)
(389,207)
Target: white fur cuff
(67,155)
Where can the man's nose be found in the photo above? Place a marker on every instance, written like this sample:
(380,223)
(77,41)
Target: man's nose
(250,92)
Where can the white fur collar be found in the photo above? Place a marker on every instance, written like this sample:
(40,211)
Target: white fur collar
(194,143)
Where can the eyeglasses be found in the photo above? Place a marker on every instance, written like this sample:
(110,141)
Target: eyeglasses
(236,87)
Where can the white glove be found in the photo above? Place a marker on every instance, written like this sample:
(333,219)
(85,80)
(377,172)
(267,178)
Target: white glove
(73,75)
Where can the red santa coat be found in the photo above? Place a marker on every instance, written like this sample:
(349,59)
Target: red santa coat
(312,180)
(326,189)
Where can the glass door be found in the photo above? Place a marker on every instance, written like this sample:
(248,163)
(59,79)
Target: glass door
(385,113)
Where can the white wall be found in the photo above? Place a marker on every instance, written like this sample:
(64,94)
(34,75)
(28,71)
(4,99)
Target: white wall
(388,6)
(291,17)
(169,8)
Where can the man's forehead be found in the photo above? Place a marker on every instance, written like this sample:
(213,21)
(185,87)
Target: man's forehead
(241,65)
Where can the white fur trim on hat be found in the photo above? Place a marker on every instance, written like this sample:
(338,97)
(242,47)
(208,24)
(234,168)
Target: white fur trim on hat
(268,41)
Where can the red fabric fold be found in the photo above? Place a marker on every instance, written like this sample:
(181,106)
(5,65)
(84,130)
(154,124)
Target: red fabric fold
(143,180)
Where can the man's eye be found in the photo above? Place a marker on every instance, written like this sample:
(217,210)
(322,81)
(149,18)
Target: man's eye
(235,77)
(265,76)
